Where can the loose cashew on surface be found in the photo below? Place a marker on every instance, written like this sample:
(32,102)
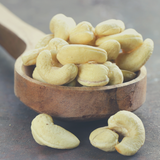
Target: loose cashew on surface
(92,74)
(61,25)
(112,47)
(104,139)
(131,127)
(135,60)
(79,54)
(83,33)
(115,74)
(52,74)
(109,27)
(129,39)
(46,133)
(55,44)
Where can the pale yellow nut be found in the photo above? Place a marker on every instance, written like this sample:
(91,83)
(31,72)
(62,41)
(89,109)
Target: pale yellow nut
(128,75)
(112,47)
(46,133)
(135,60)
(83,33)
(131,126)
(109,27)
(103,138)
(36,75)
(44,41)
(79,54)
(129,40)
(115,75)
(72,83)
(55,63)
(55,44)
(61,25)
(92,74)
(52,74)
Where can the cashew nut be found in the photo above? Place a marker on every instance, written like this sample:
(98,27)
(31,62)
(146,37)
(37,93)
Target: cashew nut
(52,74)
(128,75)
(36,75)
(46,133)
(44,41)
(93,74)
(135,60)
(60,26)
(129,40)
(104,139)
(131,126)
(83,33)
(79,54)
(112,47)
(29,58)
(115,74)
(109,27)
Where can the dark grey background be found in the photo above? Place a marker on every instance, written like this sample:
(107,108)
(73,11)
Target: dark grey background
(16,142)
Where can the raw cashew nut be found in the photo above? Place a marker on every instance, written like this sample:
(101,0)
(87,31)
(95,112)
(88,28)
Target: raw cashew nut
(52,74)
(46,133)
(55,63)
(128,75)
(129,40)
(109,27)
(79,54)
(104,139)
(112,47)
(60,26)
(135,60)
(44,41)
(92,74)
(115,75)
(55,44)
(131,126)
(83,33)
(36,76)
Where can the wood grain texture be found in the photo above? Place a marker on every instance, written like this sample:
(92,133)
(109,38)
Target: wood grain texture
(70,103)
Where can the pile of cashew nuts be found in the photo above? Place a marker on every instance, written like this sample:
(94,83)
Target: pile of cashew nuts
(73,53)
(124,123)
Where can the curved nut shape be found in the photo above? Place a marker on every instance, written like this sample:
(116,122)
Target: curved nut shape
(112,47)
(52,74)
(129,40)
(79,54)
(136,59)
(93,74)
(128,75)
(109,27)
(115,74)
(83,33)
(36,75)
(131,126)
(46,133)
(104,139)
(55,44)
(44,41)
(60,26)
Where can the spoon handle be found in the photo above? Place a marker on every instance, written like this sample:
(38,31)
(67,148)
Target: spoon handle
(16,36)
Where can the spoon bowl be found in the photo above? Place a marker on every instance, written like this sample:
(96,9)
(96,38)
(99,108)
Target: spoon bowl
(63,102)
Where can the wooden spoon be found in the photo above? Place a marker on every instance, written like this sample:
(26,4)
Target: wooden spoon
(69,103)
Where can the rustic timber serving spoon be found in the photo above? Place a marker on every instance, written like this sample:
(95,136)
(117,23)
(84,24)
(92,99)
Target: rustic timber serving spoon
(68,103)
